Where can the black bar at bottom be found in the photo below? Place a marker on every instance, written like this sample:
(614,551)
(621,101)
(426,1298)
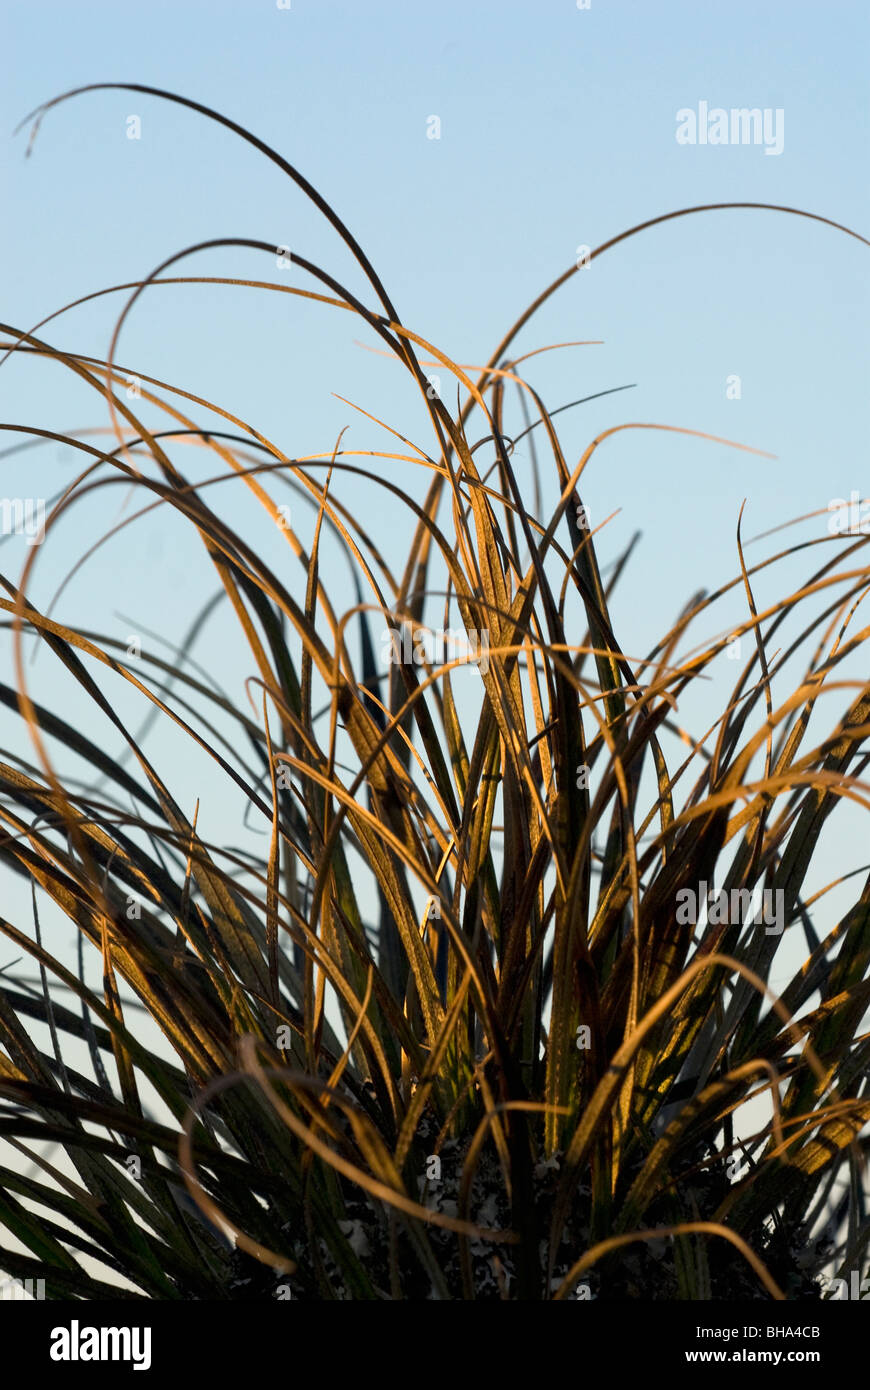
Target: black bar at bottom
(139,1337)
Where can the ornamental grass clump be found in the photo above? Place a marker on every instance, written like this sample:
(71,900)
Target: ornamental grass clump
(489,1013)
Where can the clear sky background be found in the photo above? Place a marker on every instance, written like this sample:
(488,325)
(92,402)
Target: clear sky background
(557,129)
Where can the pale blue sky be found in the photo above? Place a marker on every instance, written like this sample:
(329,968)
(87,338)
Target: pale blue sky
(557,129)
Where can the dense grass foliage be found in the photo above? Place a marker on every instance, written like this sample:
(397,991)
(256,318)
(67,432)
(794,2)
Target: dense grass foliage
(454,1033)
